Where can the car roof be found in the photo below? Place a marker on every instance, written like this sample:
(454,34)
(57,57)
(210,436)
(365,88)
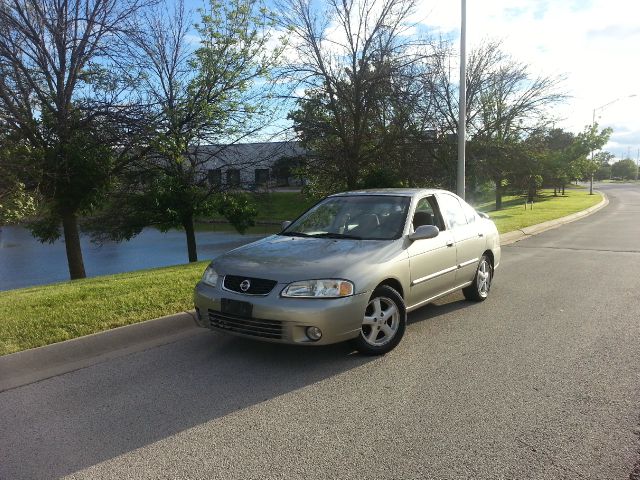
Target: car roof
(403,192)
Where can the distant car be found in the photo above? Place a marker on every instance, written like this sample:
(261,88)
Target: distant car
(350,268)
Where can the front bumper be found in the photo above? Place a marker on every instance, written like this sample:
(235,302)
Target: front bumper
(339,319)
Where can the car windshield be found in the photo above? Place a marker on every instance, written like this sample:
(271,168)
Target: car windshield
(361,217)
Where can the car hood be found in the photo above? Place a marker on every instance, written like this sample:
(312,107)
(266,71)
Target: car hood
(287,259)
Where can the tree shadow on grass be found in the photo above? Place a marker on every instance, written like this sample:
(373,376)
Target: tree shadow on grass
(520,201)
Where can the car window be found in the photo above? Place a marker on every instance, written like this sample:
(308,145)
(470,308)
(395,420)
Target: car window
(469,212)
(452,211)
(367,217)
(427,213)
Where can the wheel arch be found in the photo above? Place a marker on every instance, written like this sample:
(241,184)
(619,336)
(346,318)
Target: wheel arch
(489,254)
(393,283)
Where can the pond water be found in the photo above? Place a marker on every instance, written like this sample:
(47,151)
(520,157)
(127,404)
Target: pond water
(24,261)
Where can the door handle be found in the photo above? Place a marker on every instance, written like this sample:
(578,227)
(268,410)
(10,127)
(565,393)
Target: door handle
(449,244)
(480,234)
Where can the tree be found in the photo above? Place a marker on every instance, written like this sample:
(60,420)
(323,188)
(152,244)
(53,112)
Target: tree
(589,140)
(201,99)
(62,102)
(16,202)
(506,102)
(350,59)
(604,158)
(603,172)
(286,167)
(560,159)
(624,169)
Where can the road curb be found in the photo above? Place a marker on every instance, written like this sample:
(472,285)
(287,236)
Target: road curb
(29,366)
(517,235)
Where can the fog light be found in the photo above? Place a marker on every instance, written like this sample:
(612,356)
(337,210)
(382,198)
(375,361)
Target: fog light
(314,333)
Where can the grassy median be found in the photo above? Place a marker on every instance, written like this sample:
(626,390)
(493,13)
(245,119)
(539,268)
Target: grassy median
(36,316)
(513,215)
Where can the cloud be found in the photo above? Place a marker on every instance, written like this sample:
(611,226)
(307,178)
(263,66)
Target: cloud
(593,42)
(618,32)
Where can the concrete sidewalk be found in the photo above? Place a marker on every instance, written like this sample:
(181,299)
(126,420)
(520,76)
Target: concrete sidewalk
(29,366)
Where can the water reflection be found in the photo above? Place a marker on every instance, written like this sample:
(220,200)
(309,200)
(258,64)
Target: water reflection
(24,261)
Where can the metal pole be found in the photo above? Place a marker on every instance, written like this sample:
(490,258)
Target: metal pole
(462,113)
(593,122)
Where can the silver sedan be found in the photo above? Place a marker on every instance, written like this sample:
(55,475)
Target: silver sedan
(350,268)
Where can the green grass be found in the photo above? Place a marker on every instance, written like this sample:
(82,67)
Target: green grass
(513,216)
(276,207)
(281,206)
(36,316)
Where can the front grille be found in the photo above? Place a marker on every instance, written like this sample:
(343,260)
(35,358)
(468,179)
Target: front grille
(259,286)
(256,327)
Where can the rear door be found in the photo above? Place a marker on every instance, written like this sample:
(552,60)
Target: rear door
(467,234)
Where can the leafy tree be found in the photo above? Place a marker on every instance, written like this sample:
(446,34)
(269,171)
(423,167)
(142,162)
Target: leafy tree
(351,58)
(603,172)
(604,158)
(201,100)
(506,103)
(62,104)
(560,159)
(287,167)
(625,169)
(16,203)
(588,141)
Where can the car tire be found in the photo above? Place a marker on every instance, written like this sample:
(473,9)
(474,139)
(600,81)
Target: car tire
(478,291)
(383,324)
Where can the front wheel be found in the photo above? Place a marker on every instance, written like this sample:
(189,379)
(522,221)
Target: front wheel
(478,291)
(383,324)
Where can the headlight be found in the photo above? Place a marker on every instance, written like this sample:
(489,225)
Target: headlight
(210,276)
(330,288)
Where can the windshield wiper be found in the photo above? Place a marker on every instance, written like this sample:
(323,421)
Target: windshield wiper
(336,235)
(296,234)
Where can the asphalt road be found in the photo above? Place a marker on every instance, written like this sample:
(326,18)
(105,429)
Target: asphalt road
(540,381)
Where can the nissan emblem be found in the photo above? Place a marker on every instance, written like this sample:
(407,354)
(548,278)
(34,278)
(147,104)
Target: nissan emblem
(245,285)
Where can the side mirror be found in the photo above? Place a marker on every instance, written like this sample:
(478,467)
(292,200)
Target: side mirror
(285,224)
(424,232)
(483,215)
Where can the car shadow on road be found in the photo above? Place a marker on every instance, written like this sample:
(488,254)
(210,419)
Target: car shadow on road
(65,424)
(68,423)
(442,306)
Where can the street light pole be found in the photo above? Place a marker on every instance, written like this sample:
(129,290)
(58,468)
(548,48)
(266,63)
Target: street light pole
(462,102)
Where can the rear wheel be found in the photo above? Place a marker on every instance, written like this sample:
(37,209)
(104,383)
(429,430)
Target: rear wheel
(478,291)
(384,322)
